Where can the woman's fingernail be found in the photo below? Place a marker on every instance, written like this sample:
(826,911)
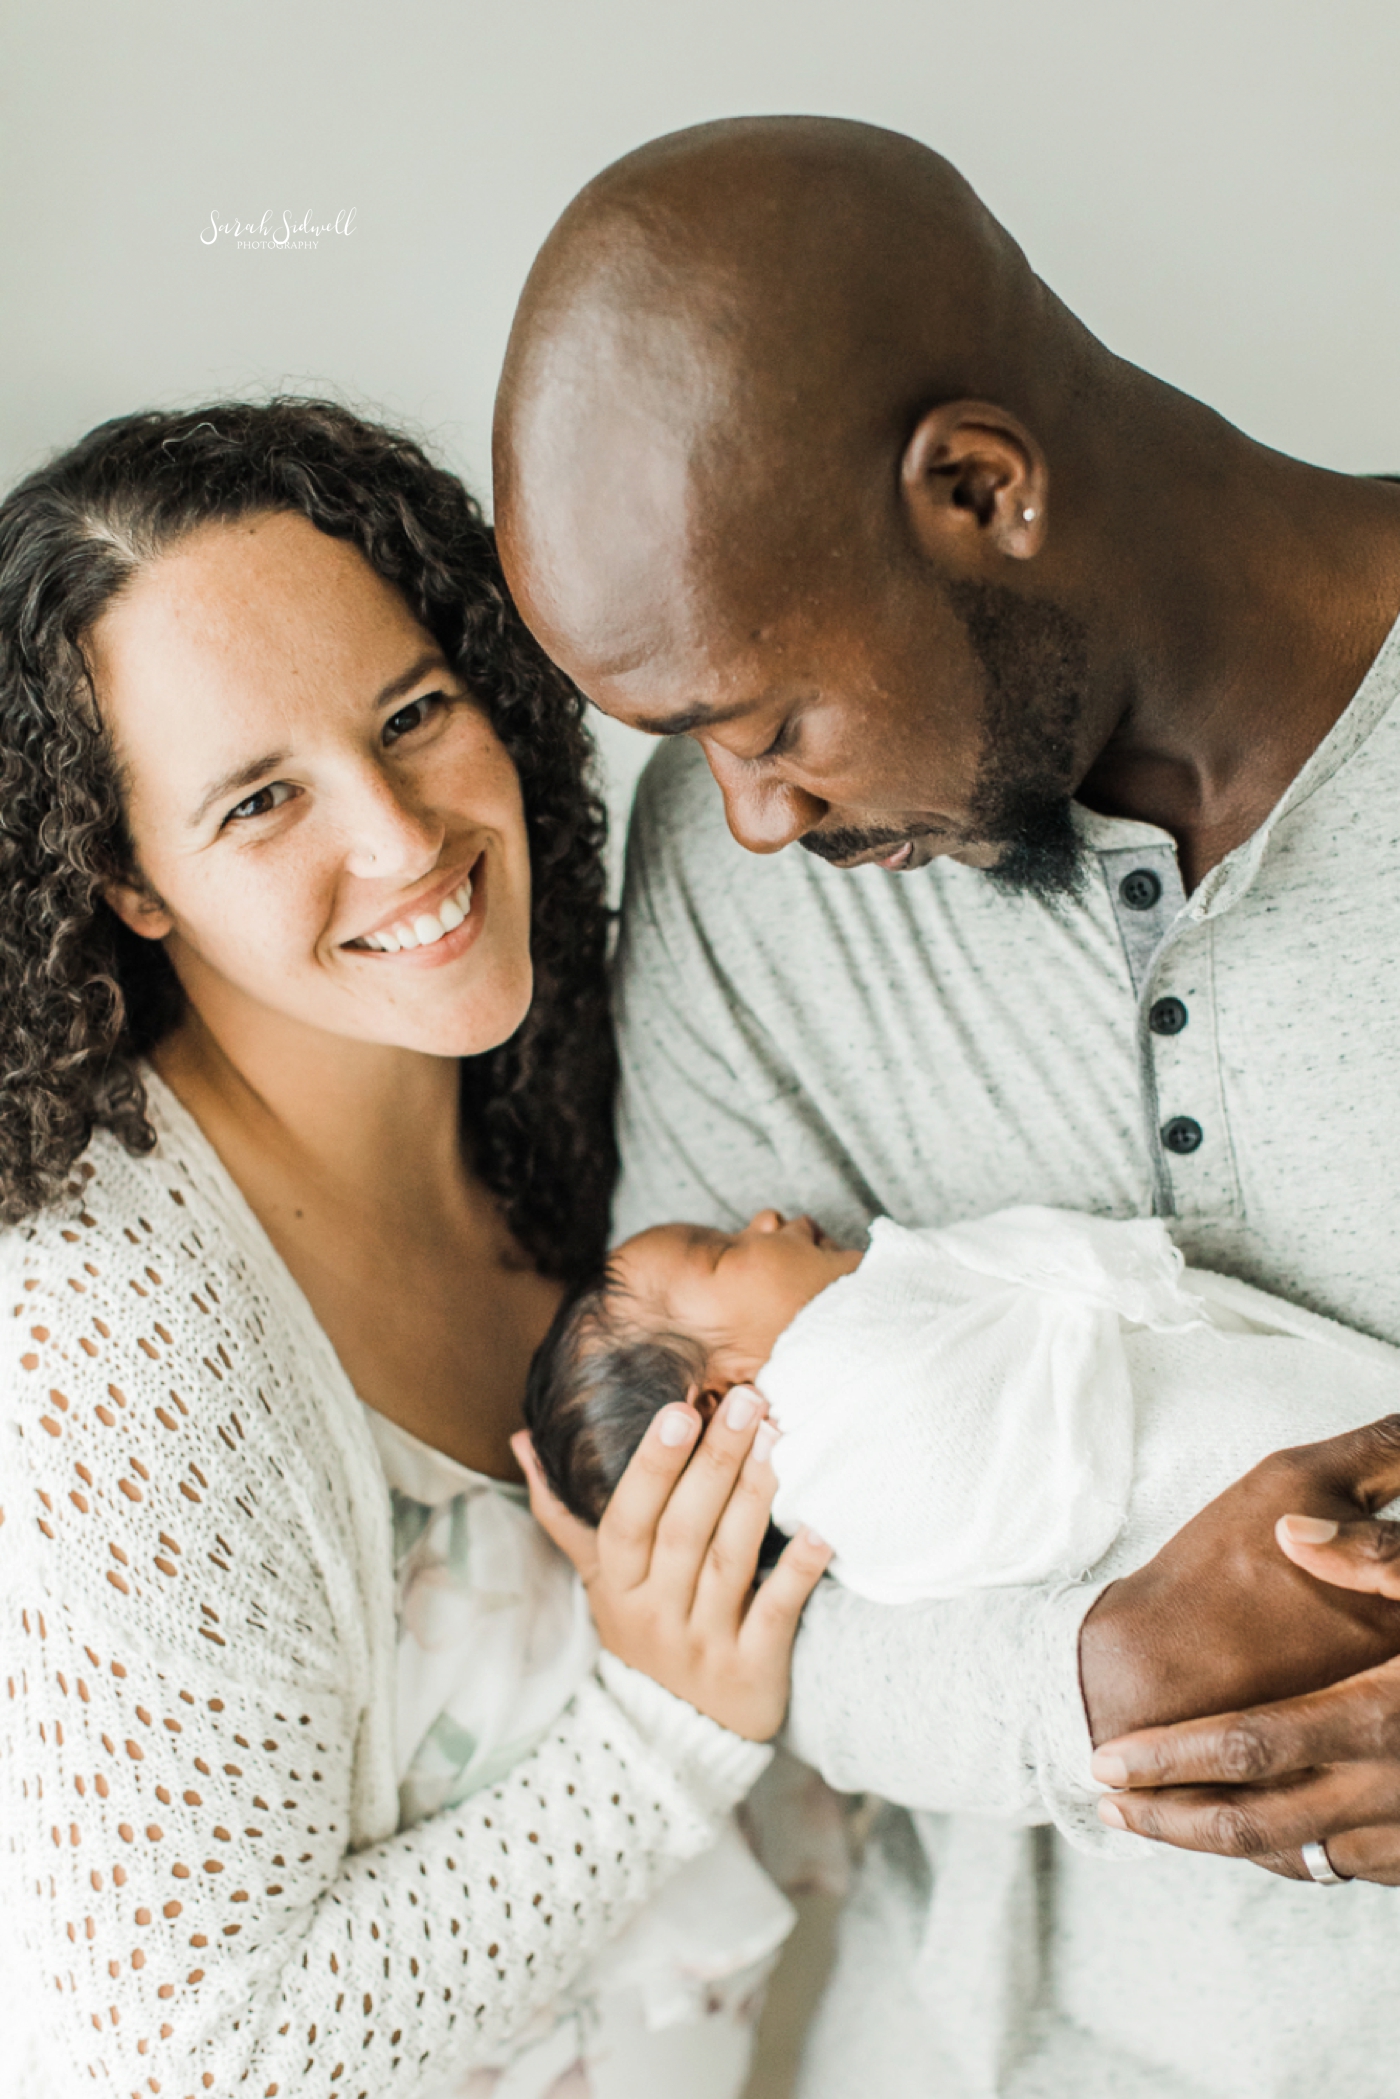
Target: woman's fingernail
(814,1539)
(1308,1530)
(1111,1813)
(1109,1770)
(763,1442)
(677,1426)
(740,1407)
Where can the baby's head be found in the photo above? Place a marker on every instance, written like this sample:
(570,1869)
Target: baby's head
(681,1312)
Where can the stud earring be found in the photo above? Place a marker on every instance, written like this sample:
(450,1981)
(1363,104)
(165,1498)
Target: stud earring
(1027,517)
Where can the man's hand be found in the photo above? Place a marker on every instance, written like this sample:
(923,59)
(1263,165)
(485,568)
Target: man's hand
(1289,1652)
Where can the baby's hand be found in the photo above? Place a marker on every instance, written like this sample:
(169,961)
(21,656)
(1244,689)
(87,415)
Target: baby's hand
(670,1569)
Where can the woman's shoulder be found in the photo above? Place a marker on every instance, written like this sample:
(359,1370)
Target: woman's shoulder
(161,1235)
(162,1443)
(150,1274)
(115,1196)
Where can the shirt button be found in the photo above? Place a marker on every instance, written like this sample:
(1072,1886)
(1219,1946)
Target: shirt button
(1182,1134)
(1141,889)
(1167,1017)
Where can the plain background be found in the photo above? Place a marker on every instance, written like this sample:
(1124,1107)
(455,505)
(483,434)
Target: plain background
(1214,185)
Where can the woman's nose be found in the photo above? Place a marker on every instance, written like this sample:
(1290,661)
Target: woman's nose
(388,837)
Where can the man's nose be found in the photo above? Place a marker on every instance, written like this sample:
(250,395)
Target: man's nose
(764,815)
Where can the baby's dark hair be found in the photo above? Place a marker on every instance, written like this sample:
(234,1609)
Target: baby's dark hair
(597,1379)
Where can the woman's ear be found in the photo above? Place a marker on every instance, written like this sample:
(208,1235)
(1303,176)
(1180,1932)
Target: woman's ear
(140,910)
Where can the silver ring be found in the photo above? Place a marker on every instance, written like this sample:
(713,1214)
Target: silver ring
(1318,1867)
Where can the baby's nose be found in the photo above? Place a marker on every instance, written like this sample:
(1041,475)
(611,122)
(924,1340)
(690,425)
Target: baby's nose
(766,1221)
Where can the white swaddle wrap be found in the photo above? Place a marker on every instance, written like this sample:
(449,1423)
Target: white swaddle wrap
(983,1404)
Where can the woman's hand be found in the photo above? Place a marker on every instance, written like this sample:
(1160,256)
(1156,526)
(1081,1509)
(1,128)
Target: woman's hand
(670,1569)
(1223,1624)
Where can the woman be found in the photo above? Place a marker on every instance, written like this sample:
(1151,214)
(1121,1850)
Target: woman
(305,1124)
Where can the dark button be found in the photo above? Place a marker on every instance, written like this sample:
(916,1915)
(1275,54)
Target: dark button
(1141,889)
(1167,1017)
(1182,1134)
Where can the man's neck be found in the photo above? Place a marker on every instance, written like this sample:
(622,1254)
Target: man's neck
(1259,591)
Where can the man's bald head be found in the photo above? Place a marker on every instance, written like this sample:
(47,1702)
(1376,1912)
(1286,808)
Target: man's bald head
(747,313)
(721,361)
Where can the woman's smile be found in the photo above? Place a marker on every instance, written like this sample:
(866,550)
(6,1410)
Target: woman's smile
(436,927)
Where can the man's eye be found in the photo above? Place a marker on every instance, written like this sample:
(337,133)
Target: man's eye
(782,742)
(413,715)
(259,804)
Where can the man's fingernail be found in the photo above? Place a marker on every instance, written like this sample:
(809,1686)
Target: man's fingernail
(1111,1813)
(677,1426)
(1109,1770)
(1308,1530)
(763,1442)
(740,1407)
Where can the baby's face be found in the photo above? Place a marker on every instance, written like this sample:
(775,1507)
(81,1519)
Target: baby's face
(733,1291)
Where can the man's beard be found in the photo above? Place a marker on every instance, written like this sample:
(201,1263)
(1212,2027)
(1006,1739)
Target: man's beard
(1034,659)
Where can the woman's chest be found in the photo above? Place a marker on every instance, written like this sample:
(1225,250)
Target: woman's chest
(494,1634)
(435,1331)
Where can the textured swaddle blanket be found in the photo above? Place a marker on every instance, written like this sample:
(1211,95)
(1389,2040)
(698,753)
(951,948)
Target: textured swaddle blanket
(1038,1394)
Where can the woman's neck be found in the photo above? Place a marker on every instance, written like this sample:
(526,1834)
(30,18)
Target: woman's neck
(358,1120)
(350,1155)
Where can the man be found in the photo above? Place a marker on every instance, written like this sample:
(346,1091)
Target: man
(797,458)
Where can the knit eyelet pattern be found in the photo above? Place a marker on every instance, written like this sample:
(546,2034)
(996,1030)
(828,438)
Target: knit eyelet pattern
(201,1876)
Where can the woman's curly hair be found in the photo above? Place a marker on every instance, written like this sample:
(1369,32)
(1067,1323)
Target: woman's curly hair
(81,997)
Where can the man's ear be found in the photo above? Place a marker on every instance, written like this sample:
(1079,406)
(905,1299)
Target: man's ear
(140,910)
(973,479)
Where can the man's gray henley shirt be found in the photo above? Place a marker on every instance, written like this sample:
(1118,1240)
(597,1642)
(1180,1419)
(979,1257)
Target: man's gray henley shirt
(929,1048)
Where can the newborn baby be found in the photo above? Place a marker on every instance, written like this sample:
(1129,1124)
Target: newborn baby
(1039,1394)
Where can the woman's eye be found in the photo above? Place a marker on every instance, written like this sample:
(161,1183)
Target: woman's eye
(413,715)
(260,803)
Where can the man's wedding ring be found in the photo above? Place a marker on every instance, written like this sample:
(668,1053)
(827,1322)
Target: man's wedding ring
(1318,1867)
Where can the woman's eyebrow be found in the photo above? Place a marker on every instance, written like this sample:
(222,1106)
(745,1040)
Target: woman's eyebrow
(245,775)
(241,776)
(430,660)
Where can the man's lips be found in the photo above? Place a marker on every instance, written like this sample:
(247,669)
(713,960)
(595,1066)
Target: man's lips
(898,859)
(920,847)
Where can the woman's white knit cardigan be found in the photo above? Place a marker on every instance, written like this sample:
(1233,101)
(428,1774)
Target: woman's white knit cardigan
(201,1869)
